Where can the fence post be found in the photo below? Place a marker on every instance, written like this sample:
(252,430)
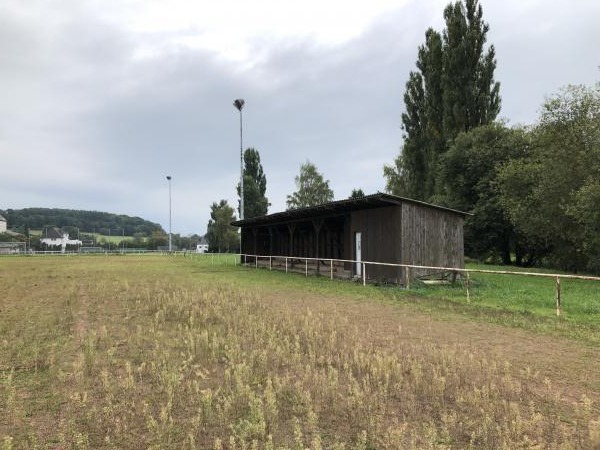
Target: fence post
(468,290)
(407,275)
(270,263)
(256,262)
(286,264)
(557,296)
(306,267)
(364,266)
(331,268)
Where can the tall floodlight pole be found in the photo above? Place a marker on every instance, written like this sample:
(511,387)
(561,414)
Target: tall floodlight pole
(239,104)
(169,180)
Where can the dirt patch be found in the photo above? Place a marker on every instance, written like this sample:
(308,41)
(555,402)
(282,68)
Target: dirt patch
(558,365)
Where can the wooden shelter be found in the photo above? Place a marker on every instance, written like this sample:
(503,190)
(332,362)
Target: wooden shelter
(376,228)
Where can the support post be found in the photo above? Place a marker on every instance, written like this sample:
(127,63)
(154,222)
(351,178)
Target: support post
(407,276)
(317,224)
(331,268)
(306,267)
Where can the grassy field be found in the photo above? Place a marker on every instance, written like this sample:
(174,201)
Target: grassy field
(171,352)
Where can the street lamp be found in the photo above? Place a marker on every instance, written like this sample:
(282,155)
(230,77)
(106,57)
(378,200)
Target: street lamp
(169,180)
(239,104)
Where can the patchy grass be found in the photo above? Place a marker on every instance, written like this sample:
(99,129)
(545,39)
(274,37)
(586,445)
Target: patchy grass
(172,352)
(521,301)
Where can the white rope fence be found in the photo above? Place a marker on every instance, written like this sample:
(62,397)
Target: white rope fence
(408,267)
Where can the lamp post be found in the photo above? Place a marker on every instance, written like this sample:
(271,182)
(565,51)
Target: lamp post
(239,104)
(169,180)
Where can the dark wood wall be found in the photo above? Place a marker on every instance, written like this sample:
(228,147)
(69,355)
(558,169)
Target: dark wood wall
(431,237)
(381,239)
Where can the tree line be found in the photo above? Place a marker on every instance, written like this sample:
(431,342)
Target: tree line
(21,220)
(312,189)
(534,191)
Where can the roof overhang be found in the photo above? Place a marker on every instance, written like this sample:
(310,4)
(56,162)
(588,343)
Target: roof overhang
(338,208)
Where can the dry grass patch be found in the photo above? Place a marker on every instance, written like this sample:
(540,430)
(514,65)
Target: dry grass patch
(134,352)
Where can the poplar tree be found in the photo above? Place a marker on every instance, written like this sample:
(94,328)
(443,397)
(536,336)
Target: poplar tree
(471,97)
(451,91)
(255,186)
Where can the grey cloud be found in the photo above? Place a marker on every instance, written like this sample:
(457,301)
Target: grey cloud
(88,122)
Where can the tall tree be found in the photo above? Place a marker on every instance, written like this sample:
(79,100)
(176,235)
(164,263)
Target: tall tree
(471,97)
(469,177)
(255,186)
(312,188)
(221,235)
(451,91)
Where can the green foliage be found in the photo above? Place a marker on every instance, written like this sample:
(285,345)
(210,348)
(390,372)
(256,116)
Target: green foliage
(470,94)
(255,186)
(88,221)
(157,239)
(221,235)
(551,193)
(469,181)
(357,193)
(312,188)
(452,91)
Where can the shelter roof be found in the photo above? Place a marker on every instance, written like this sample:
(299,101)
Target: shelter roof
(337,208)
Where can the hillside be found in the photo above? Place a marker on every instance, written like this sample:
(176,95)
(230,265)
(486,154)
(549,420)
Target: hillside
(86,221)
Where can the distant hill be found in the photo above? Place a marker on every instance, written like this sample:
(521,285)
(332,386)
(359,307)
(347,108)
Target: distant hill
(87,221)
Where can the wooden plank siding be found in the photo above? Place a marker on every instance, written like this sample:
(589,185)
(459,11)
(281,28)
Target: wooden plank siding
(381,239)
(431,237)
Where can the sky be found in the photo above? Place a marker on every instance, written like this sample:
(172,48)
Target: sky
(100,100)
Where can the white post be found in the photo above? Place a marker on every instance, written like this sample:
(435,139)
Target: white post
(558,296)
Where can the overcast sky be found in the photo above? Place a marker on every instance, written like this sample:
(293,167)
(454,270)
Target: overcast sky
(100,100)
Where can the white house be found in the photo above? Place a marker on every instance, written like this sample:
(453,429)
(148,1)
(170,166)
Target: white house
(55,238)
(3,226)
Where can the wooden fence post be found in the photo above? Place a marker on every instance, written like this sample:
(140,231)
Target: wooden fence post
(558,296)
(331,268)
(286,265)
(468,288)
(364,266)
(407,276)
(306,267)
